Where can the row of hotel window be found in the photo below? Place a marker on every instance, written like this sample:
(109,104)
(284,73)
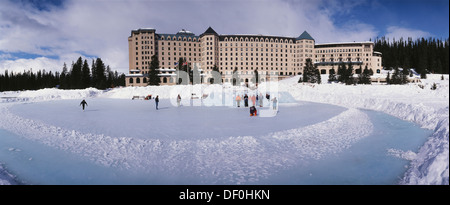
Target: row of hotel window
(225,39)
(241,68)
(262,39)
(172,79)
(236,45)
(267,45)
(338,50)
(341,55)
(231,44)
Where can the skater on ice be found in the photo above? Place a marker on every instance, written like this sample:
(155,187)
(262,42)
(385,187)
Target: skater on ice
(253,98)
(253,111)
(157,101)
(178,100)
(260,98)
(83,103)
(238,101)
(274,103)
(257,99)
(246,100)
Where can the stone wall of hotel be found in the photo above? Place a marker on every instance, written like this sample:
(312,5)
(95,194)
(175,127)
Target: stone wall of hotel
(142,47)
(269,55)
(329,56)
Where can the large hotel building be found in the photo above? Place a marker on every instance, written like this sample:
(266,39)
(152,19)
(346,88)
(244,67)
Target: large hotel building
(269,55)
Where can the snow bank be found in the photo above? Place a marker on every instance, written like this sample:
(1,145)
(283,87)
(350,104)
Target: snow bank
(5,177)
(48,94)
(425,107)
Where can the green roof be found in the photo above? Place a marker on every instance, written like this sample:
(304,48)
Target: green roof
(305,35)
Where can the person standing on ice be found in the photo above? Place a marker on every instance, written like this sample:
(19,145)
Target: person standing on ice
(238,101)
(246,100)
(253,98)
(157,101)
(260,98)
(257,99)
(83,103)
(178,100)
(274,103)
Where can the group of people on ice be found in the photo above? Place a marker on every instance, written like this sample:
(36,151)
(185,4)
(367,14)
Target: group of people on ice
(257,100)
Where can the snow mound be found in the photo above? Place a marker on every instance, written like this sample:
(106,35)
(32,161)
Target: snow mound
(267,113)
(49,94)
(423,106)
(5,177)
(408,155)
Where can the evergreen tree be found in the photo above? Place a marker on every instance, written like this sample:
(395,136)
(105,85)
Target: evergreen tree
(119,80)
(85,75)
(28,80)
(404,76)
(310,72)
(345,74)
(423,74)
(94,74)
(109,77)
(317,78)
(153,78)
(419,54)
(332,75)
(64,78)
(342,72)
(364,77)
(349,75)
(100,82)
(395,78)
(388,78)
(359,70)
(75,74)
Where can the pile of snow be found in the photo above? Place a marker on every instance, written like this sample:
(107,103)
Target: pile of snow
(423,106)
(5,177)
(48,94)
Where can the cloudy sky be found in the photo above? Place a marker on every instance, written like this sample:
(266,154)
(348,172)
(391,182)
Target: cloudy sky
(44,34)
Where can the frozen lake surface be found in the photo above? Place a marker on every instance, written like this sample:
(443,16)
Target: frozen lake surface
(140,119)
(117,141)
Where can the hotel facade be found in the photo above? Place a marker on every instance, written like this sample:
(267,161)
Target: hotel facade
(268,55)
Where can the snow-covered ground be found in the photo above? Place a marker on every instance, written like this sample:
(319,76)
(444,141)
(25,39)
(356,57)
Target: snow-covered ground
(423,106)
(230,149)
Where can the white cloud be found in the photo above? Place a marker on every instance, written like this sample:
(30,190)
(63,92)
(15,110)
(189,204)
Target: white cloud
(101,28)
(20,65)
(399,32)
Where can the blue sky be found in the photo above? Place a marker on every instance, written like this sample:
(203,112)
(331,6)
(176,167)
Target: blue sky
(44,34)
(430,16)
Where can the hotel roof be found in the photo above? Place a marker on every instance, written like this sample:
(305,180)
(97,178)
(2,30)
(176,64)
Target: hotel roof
(305,35)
